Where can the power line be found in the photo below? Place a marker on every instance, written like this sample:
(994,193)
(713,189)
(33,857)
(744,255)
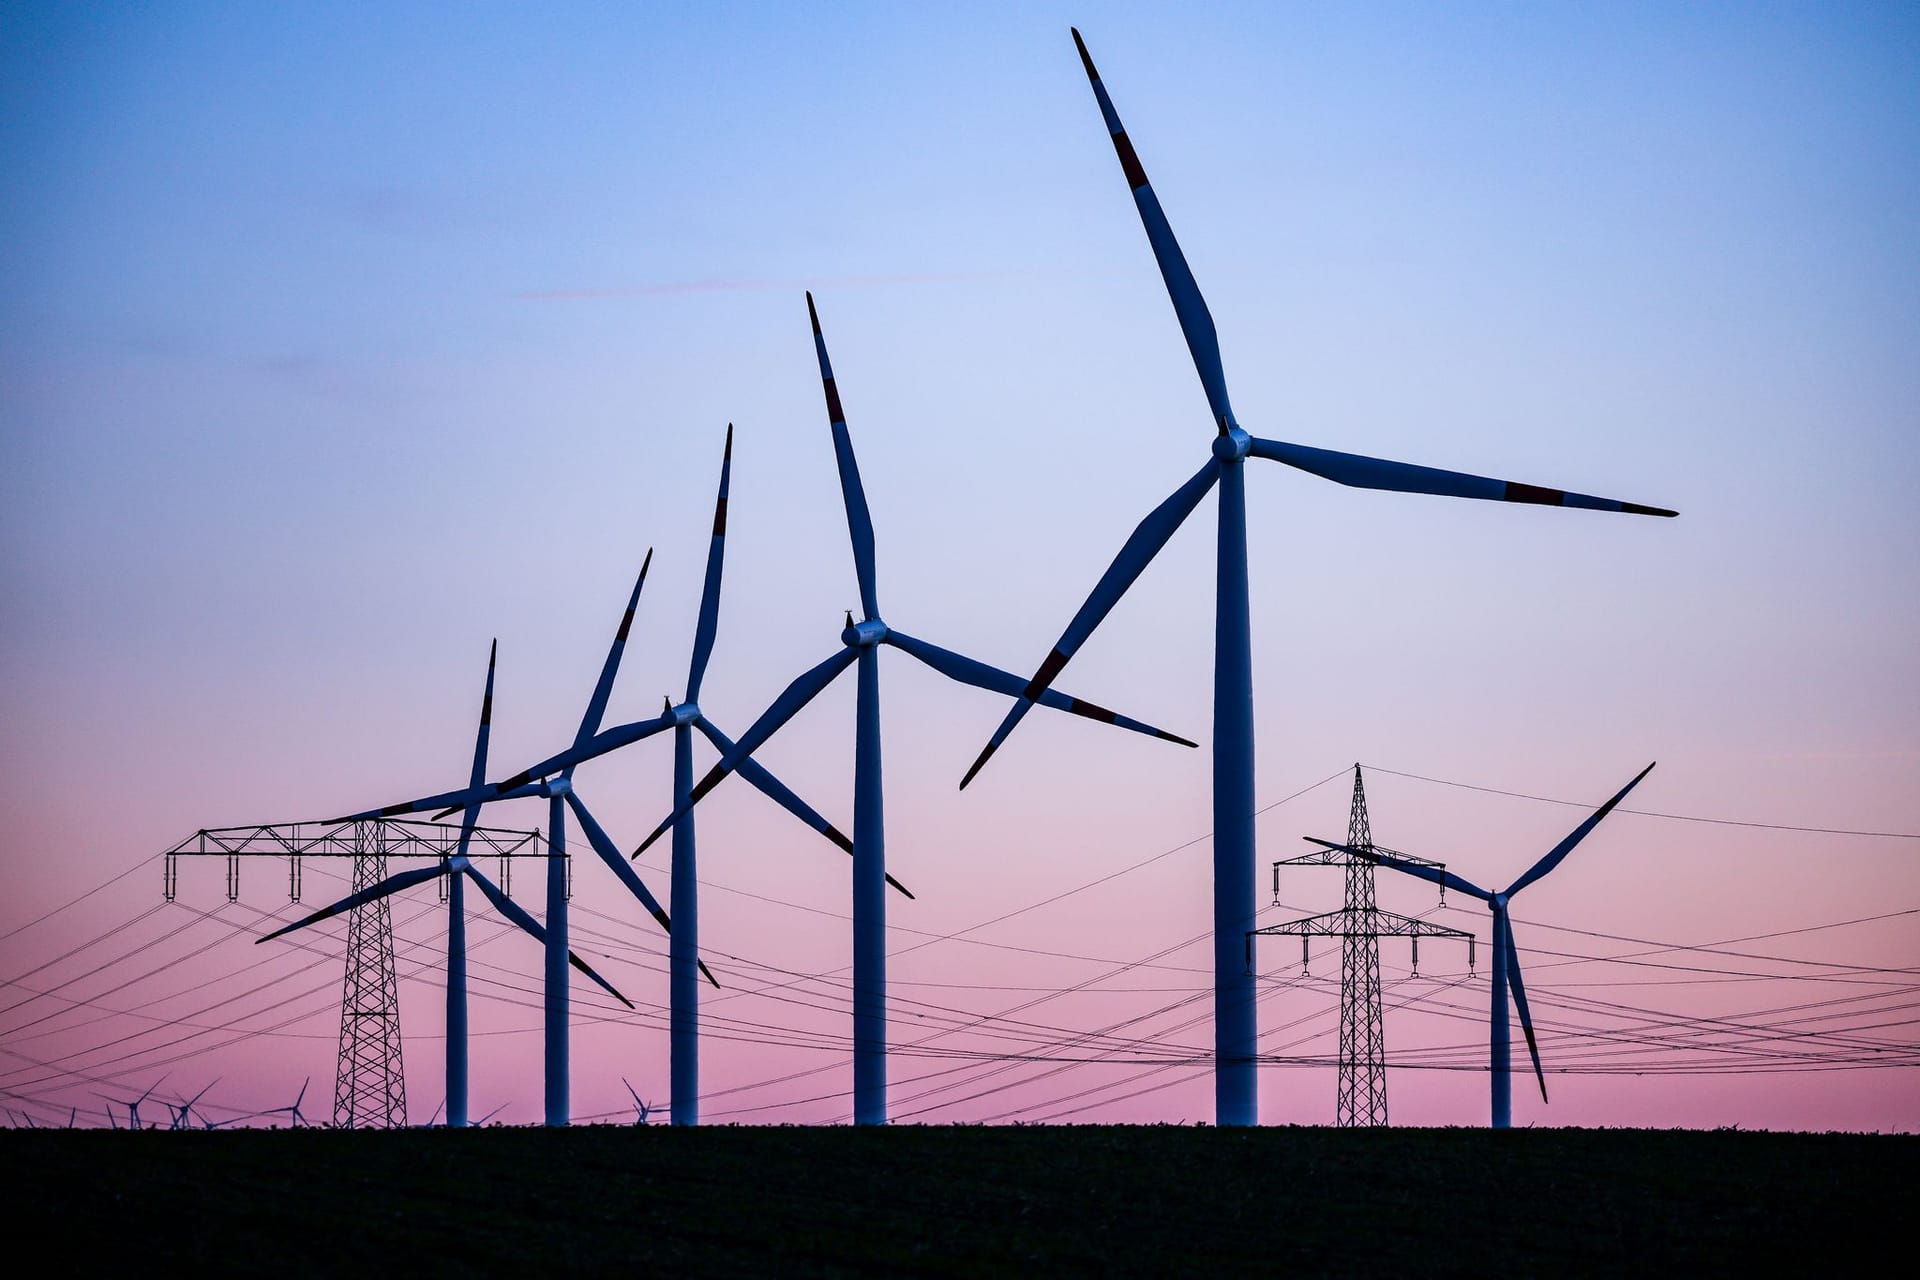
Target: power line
(1648,813)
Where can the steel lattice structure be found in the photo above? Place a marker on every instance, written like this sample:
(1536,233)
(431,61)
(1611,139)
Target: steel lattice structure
(1359,924)
(369,1087)
(1363,1040)
(369,1082)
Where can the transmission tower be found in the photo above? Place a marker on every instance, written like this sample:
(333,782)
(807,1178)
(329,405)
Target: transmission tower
(369,1085)
(1359,924)
(369,1088)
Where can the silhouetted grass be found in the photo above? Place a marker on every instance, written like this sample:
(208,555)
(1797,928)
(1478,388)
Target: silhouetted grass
(958,1201)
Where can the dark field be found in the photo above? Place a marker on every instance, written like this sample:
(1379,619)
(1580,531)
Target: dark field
(958,1201)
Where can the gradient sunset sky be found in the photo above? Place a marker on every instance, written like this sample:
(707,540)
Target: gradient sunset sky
(337,340)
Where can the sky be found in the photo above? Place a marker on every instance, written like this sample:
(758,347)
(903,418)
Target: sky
(338,340)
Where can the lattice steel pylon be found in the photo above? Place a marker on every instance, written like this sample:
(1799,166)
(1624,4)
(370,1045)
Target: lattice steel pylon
(1363,1042)
(369,1084)
(1359,924)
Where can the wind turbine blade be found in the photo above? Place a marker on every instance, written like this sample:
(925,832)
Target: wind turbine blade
(515,912)
(506,906)
(764,781)
(1361,472)
(1519,990)
(1435,875)
(598,745)
(1561,850)
(795,696)
(392,884)
(494,794)
(859,522)
(477,782)
(1196,322)
(449,801)
(1148,537)
(709,623)
(609,853)
(965,670)
(574,960)
(603,687)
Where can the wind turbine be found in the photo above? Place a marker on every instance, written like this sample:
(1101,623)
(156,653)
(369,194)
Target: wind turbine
(133,1107)
(1506,957)
(183,1114)
(640,1106)
(295,1120)
(454,869)
(860,642)
(1235,1030)
(684,965)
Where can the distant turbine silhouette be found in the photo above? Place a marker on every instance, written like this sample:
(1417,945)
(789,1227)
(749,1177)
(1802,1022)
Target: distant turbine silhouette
(1235,1030)
(860,642)
(296,1119)
(133,1106)
(455,868)
(641,1108)
(1506,956)
(183,1114)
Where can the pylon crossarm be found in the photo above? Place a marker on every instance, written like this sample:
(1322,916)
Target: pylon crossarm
(1318,858)
(1333,924)
(1386,924)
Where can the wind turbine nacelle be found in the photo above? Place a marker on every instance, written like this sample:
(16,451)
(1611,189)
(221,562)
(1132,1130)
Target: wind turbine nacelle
(864,635)
(684,714)
(1233,445)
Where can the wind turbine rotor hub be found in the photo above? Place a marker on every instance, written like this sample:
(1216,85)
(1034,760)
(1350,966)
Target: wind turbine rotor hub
(1232,445)
(457,863)
(557,787)
(684,714)
(864,635)
(1499,902)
